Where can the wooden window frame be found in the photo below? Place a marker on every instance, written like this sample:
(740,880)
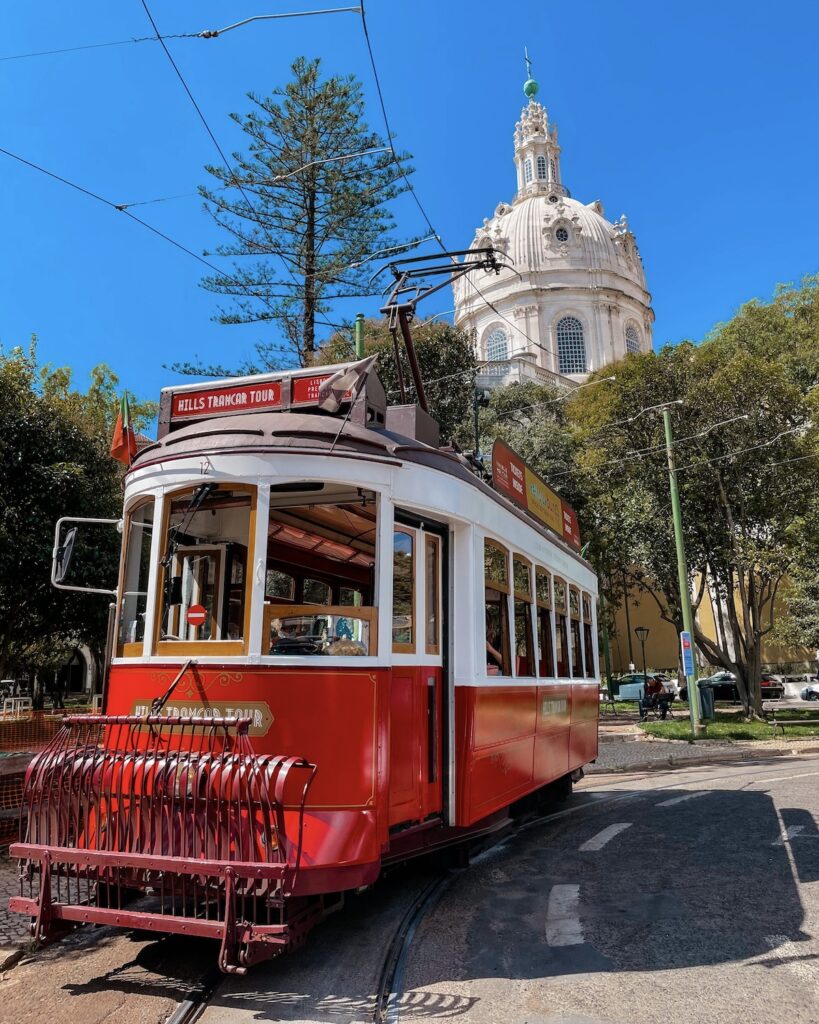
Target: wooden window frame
(548,602)
(216,648)
(131,650)
(433,541)
(519,594)
(490,584)
(578,614)
(585,606)
(563,608)
(277,611)
(403,648)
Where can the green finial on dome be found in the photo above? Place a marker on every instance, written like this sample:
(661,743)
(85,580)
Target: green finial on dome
(530,86)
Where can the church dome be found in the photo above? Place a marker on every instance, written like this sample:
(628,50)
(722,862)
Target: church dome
(573,295)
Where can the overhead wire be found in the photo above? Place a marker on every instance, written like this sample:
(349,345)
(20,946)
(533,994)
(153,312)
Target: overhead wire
(204,34)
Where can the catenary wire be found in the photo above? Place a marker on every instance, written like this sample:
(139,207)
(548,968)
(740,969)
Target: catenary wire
(205,34)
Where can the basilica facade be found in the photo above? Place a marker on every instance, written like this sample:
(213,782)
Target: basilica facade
(573,297)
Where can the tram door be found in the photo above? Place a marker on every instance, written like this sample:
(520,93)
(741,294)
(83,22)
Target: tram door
(418,674)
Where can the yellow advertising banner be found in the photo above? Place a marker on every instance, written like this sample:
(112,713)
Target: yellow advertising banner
(543,502)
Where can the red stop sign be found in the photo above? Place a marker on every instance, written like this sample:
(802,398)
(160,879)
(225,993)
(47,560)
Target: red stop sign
(197,614)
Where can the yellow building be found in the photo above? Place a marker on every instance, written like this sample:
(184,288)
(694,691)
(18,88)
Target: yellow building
(663,647)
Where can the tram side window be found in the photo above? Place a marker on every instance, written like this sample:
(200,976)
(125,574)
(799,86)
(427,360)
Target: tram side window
(403,590)
(204,563)
(562,641)
(432,576)
(577,651)
(134,603)
(320,583)
(524,642)
(543,595)
(496,589)
(588,636)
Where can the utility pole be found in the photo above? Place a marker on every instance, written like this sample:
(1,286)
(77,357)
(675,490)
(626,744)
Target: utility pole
(359,335)
(697,727)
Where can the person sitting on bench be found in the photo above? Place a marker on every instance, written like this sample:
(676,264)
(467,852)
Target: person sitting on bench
(654,697)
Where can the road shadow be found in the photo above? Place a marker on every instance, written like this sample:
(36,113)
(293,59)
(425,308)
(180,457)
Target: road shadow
(804,841)
(697,882)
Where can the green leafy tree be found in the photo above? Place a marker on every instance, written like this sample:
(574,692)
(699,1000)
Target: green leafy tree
(446,357)
(742,496)
(303,207)
(54,461)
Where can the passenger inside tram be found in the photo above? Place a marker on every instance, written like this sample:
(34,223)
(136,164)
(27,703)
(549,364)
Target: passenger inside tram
(320,578)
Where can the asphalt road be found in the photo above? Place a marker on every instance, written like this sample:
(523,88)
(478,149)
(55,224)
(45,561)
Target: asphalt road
(687,896)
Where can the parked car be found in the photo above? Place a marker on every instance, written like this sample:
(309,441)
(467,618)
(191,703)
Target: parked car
(810,692)
(630,687)
(725,688)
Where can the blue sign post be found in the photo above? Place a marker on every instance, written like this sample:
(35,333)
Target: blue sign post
(687,653)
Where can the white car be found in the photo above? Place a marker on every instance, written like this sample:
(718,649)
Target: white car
(810,692)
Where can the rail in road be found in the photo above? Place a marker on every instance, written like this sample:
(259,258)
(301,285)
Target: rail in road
(685,896)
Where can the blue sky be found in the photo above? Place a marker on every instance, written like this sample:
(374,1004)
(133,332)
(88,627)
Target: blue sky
(698,120)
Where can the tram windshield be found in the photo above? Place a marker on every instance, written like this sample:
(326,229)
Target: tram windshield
(320,581)
(204,565)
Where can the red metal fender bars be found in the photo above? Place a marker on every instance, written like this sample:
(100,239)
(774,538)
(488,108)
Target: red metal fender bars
(178,811)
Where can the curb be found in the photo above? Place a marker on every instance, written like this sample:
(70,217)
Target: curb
(671,762)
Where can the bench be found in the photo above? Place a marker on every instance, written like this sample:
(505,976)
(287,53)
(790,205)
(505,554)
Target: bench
(810,718)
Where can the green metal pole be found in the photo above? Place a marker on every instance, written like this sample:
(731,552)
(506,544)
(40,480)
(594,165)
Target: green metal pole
(604,636)
(359,335)
(697,726)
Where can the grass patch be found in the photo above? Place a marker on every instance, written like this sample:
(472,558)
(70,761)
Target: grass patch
(729,726)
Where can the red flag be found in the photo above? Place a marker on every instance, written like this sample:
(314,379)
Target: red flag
(123,443)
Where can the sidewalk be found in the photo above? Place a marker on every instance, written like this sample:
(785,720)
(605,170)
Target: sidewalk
(628,748)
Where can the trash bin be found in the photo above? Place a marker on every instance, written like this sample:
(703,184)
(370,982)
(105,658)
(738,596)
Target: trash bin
(706,701)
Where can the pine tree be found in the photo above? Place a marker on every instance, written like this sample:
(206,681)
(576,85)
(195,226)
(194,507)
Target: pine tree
(305,207)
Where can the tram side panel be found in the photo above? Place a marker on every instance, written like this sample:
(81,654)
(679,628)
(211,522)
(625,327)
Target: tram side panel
(336,718)
(585,711)
(511,740)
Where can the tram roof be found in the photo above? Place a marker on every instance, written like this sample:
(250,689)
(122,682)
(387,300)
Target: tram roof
(311,434)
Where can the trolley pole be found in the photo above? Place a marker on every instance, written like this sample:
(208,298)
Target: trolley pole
(697,727)
(359,335)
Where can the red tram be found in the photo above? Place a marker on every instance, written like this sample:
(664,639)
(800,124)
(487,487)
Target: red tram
(336,646)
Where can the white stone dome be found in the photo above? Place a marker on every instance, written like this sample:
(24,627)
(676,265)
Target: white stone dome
(574,296)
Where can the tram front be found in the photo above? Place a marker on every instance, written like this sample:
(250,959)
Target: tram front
(230,786)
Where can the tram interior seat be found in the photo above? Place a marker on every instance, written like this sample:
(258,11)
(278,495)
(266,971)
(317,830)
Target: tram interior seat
(320,579)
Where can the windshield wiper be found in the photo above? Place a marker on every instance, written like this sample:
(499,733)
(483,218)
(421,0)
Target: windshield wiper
(199,495)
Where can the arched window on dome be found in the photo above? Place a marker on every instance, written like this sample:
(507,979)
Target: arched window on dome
(632,340)
(552,171)
(541,168)
(527,171)
(571,347)
(497,346)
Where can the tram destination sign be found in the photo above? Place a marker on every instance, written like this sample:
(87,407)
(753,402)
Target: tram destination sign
(521,484)
(297,390)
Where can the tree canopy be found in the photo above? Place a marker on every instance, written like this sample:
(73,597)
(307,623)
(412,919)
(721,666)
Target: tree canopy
(302,209)
(446,357)
(747,454)
(54,461)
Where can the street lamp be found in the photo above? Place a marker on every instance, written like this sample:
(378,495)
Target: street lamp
(642,635)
